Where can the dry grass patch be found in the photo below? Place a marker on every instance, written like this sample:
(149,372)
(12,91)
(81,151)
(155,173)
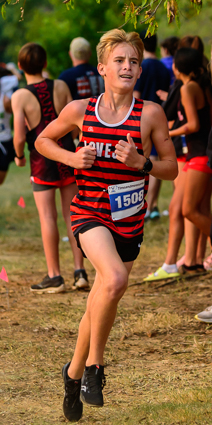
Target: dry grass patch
(158,358)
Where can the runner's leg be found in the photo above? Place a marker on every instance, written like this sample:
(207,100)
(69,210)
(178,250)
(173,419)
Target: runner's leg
(176,221)
(45,202)
(180,168)
(67,193)
(191,241)
(110,285)
(78,361)
(205,208)
(2,176)
(195,188)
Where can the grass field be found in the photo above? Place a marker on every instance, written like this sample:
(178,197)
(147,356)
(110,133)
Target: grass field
(158,358)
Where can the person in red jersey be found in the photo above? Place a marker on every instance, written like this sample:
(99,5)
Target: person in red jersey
(112,170)
(34,107)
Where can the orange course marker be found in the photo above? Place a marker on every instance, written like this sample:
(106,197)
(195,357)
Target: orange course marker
(3,275)
(21,202)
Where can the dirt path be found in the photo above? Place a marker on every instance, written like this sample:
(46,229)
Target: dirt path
(158,357)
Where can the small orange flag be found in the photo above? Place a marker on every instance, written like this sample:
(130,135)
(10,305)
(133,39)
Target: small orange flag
(3,275)
(21,202)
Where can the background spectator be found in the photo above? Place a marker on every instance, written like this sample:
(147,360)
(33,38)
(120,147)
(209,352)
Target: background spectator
(155,76)
(168,48)
(82,79)
(8,84)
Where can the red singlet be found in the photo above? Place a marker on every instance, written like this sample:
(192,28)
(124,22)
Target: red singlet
(92,203)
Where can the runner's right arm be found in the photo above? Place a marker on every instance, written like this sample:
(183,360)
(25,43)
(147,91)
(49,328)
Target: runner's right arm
(19,138)
(69,118)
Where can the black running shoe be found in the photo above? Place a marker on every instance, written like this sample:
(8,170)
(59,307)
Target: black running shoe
(50,285)
(80,279)
(93,382)
(72,405)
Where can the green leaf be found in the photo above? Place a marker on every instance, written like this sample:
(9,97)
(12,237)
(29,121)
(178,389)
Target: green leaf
(151,30)
(127,15)
(197,6)
(69,3)
(177,20)
(3,11)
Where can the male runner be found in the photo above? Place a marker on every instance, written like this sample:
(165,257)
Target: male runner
(35,106)
(112,171)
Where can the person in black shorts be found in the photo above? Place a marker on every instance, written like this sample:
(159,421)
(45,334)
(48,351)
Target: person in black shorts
(112,168)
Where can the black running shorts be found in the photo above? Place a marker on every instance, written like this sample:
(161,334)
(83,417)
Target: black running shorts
(7,154)
(128,249)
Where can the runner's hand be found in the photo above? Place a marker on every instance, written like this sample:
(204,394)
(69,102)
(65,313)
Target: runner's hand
(20,162)
(84,157)
(126,152)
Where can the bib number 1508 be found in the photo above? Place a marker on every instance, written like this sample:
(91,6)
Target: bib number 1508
(126,199)
(129,199)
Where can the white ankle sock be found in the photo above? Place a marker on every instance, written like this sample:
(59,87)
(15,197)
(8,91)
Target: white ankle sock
(170,268)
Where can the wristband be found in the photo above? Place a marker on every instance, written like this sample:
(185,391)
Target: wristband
(147,167)
(20,157)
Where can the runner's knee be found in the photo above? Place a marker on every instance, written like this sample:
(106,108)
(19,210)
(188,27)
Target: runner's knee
(174,211)
(48,214)
(116,284)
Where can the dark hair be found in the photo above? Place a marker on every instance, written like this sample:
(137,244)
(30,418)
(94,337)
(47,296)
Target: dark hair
(32,58)
(188,61)
(192,41)
(171,44)
(4,72)
(196,43)
(150,43)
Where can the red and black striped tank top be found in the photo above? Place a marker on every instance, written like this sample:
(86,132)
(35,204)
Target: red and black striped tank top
(92,203)
(44,170)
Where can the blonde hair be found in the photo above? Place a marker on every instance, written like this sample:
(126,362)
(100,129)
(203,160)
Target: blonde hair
(80,49)
(114,37)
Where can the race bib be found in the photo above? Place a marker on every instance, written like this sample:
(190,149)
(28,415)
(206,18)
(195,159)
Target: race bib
(126,199)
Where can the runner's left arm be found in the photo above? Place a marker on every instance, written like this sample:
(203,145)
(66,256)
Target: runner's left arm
(154,129)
